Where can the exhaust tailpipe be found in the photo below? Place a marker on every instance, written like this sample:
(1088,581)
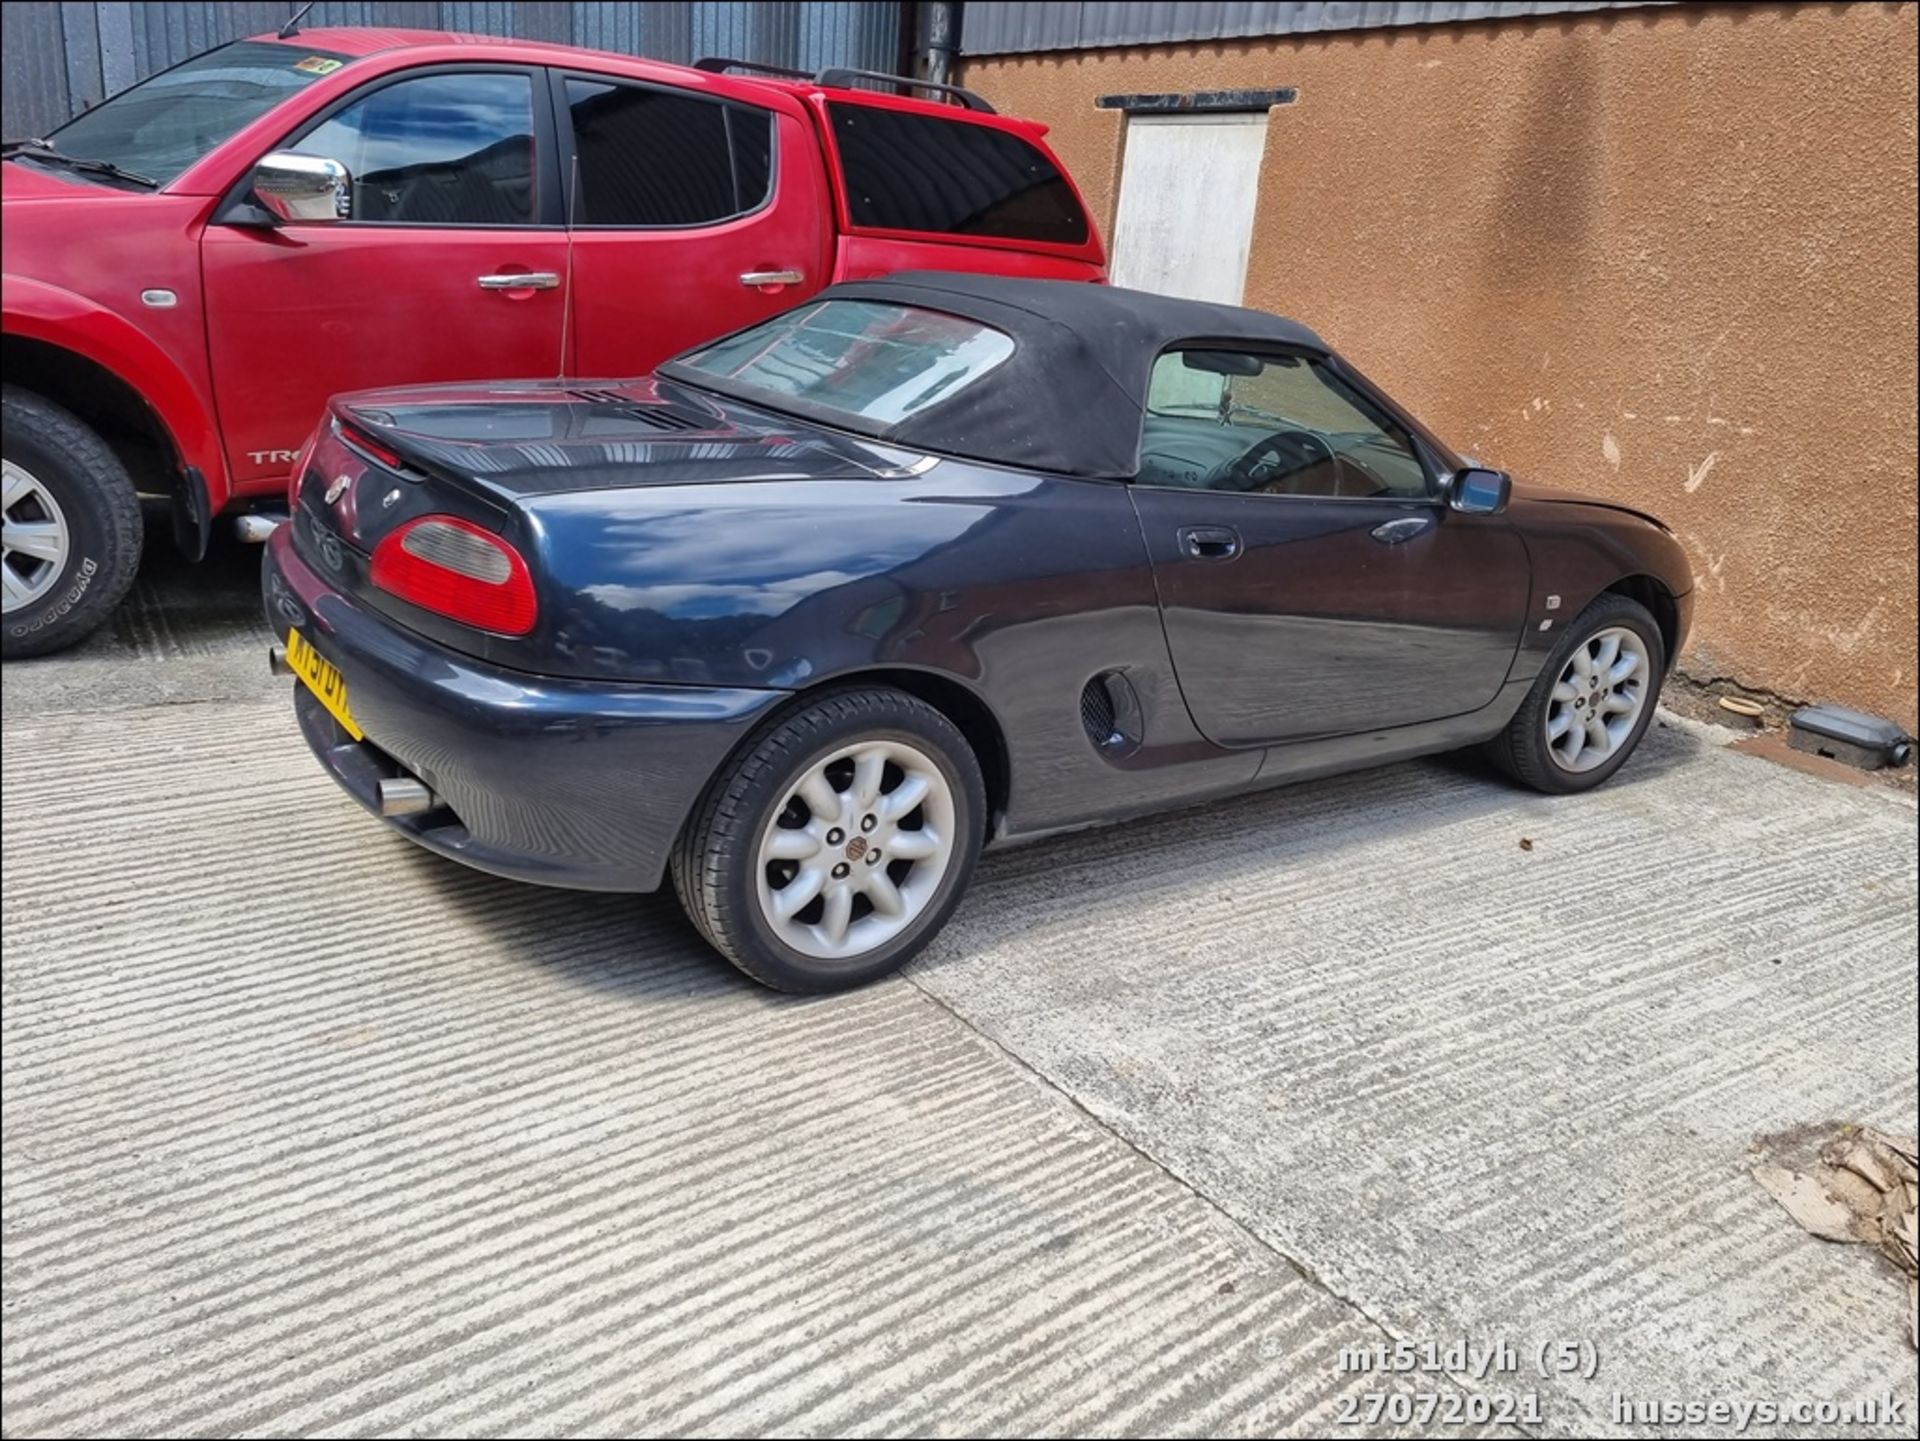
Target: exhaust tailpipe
(277,660)
(258,527)
(405,796)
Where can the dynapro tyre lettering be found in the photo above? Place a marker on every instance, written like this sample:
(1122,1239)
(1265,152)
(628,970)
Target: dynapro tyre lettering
(83,577)
(73,526)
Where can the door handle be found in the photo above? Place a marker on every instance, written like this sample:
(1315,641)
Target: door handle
(530,280)
(1394,532)
(1210,542)
(771,277)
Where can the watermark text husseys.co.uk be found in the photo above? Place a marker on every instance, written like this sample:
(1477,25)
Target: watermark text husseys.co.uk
(1883,1410)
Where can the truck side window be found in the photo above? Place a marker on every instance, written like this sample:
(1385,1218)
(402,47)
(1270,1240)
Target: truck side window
(657,158)
(449,149)
(908,171)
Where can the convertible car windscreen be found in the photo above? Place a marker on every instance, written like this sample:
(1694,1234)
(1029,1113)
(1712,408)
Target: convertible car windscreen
(867,363)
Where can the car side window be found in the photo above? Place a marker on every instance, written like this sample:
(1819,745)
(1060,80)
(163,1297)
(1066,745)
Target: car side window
(450,149)
(1274,424)
(650,157)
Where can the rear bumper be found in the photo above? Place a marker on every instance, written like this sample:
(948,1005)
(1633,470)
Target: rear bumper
(558,782)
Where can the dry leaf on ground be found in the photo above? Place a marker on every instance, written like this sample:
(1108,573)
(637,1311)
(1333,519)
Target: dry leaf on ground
(1849,1183)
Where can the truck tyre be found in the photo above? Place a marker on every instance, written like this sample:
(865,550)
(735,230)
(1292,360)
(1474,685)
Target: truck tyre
(73,528)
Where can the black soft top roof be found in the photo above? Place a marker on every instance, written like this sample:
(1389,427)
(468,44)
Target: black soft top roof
(1071,397)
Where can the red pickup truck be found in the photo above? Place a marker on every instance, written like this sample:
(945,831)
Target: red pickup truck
(193,267)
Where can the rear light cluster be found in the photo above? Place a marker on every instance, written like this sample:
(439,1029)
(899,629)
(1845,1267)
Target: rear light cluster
(455,568)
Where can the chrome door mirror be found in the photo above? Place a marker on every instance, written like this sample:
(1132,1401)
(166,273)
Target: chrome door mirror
(1477,491)
(303,189)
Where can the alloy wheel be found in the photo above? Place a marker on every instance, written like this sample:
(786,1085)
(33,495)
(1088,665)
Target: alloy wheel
(856,850)
(1598,698)
(34,550)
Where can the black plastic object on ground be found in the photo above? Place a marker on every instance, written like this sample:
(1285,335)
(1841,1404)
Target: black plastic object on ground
(1866,741)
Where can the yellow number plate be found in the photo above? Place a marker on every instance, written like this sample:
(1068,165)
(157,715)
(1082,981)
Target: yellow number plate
(317,673)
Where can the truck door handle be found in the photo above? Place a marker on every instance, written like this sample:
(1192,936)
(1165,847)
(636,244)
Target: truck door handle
(1396,531)
(527,280)
(762,278)
(1210,542)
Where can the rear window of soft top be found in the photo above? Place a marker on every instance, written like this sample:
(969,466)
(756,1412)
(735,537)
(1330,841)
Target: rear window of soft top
(863,364)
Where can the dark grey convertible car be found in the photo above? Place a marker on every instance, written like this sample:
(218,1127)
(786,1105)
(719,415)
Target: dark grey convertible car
(924,564)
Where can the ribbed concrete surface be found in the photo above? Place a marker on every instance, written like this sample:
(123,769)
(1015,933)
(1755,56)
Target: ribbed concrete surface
(1490,1091)
(308,1132)
(380,1145)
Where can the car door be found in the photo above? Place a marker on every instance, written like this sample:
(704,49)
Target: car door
(449,265)
(692,214)
(1311,581)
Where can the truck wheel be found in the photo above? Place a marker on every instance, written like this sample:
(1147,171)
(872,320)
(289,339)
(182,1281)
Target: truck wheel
(73,529)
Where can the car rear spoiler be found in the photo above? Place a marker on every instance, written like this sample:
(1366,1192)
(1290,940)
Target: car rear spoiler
(840,77)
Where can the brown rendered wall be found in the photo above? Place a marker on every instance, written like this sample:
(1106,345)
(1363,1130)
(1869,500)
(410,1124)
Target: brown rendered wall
(1664,255)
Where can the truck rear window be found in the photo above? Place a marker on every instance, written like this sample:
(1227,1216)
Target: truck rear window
(906,171)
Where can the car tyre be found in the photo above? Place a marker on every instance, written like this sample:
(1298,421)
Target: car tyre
(1615,627)
(65,488)
(734,886)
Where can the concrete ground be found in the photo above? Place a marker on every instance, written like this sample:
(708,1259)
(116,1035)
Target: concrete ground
(307,1131)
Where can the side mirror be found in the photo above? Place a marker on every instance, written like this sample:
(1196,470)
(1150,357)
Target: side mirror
(303,189)
(1475,491)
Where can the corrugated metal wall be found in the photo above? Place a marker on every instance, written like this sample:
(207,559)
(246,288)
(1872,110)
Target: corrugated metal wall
(1016,26)
(57,59)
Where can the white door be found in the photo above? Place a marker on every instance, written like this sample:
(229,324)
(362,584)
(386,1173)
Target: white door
(1187,191)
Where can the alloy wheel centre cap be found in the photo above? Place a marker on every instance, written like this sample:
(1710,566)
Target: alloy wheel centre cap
(856,848)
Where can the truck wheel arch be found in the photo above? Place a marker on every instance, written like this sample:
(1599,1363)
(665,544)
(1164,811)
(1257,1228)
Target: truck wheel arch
(122,384)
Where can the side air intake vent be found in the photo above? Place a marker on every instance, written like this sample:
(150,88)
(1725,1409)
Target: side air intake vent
(1096,711)
(1110,712)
